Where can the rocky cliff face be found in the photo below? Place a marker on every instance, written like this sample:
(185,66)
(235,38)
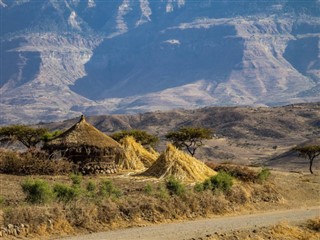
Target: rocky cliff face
(60,58)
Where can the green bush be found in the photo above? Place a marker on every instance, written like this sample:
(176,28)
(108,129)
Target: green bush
(66,193)
(148,189)
(76,179)
(107,189)
(91,186)
(222,181)
(199,187)
(37,191)
(242,173)
(174,186)
(1,200)
(207,185)
(263,175)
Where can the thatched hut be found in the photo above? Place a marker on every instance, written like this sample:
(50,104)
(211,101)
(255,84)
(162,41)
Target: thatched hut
(89,148)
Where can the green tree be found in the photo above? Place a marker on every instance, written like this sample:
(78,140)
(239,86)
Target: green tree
(140,136)
(28,136)
(190,138)
(51,135)
(310,152)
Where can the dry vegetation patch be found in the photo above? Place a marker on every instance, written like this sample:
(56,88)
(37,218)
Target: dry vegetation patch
(108,202)
(30,163)
(113,202)
(283,231)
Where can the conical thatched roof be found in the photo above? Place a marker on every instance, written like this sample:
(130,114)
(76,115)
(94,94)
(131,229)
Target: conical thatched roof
(136,157)
(180,165)
(83,134)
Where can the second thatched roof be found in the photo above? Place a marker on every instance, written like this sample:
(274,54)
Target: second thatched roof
(180,165)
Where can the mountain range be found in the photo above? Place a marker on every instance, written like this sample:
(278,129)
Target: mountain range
(61,58)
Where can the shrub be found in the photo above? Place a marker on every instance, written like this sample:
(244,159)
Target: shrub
(32,164)
(222,181)
(242,173)
(199,187)
(175,186)
(1,200)
(66,193)
(107,189)
(207,185)
(37,191)
(148,189)
(76,179)
(91,186)
(263,175)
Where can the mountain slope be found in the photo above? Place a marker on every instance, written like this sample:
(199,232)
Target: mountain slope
(60,58)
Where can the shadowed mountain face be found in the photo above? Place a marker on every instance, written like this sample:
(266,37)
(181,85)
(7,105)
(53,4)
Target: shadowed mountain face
(154,62)
(60,58)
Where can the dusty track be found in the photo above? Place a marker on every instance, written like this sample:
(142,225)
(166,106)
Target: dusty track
(202,228)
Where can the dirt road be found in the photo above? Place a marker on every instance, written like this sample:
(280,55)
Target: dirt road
(202,228)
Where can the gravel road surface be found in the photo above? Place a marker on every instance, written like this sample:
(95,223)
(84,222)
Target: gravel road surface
(201,228)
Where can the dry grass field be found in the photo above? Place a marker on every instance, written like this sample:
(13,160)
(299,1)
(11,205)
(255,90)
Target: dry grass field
(138,207)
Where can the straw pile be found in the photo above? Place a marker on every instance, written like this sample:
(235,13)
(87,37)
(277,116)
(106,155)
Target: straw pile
(136,157)
(180,165)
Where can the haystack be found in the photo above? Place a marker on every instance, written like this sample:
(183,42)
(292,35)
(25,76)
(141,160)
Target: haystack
(92,150)
(180,165)
(136,157)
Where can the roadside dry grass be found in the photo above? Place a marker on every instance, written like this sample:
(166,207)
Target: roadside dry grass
(304,231)
(138,207)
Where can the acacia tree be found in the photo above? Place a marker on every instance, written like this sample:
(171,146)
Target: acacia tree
(310,152)
(51,135)
(28,136)
(140,136)
(190,138)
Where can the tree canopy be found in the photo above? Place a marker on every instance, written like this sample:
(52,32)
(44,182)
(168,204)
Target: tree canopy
(190,138)
(140,136)
(51,135)
(27,135)
(310,152)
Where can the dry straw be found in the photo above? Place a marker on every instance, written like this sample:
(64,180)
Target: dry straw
(136,157)
(180,165)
